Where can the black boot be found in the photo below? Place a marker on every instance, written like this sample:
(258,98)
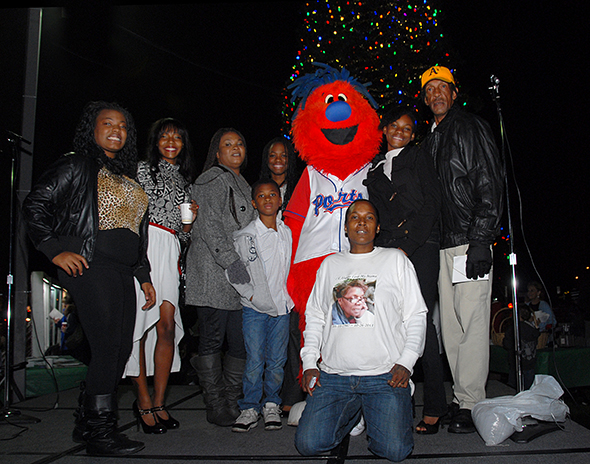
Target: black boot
(209,370)
(101,424)
(233,371)
(80,432)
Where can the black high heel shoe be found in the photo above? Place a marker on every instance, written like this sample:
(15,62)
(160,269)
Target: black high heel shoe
(157,428)
(427,429)
(169,423)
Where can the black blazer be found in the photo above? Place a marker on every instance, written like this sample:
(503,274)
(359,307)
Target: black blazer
(408,204)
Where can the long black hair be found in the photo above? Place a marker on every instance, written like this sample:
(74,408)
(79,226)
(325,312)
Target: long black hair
(184,160)
(292,172)
(214,148)
(125,163)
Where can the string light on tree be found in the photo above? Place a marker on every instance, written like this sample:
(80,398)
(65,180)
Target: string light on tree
(386,43)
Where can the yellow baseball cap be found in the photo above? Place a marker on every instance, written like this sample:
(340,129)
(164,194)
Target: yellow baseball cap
(437,72)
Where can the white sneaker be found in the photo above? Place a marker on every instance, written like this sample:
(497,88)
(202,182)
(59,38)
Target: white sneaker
(358,428)
(295,413)
(248,420)
(272,416)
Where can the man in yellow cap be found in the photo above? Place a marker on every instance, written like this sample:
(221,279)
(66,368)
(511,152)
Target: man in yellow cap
(471,174)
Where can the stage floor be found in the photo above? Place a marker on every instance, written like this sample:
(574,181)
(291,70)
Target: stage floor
(48,441)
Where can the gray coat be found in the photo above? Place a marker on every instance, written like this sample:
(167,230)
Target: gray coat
(225,205)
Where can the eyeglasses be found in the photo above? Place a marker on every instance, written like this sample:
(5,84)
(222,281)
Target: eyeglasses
(355,299)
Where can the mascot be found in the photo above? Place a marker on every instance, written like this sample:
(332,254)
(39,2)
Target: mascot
(335,130)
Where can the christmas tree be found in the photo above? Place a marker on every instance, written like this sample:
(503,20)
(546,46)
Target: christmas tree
(389,44)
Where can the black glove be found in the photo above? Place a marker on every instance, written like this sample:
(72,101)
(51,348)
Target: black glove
(479,260)
(237,273)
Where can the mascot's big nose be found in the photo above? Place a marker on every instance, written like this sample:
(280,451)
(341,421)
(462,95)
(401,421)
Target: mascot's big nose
(338,111)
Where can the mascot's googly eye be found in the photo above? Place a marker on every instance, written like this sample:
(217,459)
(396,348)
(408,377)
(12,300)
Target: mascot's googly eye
(330,98)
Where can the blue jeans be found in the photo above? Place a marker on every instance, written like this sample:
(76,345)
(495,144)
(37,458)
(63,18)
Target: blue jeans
(265,338)
(336,407)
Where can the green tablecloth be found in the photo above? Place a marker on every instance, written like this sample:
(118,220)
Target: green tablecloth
(571,365)
(40,380)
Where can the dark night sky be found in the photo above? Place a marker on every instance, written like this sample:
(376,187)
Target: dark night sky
(216,65)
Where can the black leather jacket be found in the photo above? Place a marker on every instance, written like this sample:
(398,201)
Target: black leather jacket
(409,203)
(471,175)
(61,212)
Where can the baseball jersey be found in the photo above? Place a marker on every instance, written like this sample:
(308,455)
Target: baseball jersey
(320,200)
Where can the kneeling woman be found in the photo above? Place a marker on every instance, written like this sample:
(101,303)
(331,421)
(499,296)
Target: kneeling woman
(89,217)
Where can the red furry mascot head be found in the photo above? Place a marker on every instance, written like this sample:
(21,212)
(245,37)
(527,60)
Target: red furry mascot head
(335,130)
(335,127)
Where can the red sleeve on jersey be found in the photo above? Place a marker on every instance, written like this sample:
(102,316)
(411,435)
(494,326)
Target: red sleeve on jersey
(299,202)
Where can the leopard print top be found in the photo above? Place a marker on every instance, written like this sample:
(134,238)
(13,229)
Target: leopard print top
(122,203)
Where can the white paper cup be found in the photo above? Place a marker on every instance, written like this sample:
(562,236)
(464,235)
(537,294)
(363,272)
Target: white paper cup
(186,213)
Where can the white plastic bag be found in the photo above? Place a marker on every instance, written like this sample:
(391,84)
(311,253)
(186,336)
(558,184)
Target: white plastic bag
(496,419)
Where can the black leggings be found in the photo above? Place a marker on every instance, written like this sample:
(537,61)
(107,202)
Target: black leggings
(426,261)
(217,326)
(105,300)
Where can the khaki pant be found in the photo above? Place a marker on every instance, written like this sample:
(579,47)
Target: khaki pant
(465,326)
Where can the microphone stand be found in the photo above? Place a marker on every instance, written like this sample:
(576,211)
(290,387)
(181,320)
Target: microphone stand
(11,416)
(495,90)
(532,428)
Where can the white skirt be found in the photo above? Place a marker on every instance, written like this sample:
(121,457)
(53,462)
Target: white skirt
(163,253)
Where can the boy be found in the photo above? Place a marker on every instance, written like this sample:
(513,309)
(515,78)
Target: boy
(265,248)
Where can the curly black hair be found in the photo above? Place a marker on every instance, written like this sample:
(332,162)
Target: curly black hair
(125,163)
(185,158)
(292,171)
(214,148)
